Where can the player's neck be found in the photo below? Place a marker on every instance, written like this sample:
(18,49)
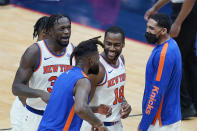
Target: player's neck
(54,47)
(83,67)
(163,39)
(112,62)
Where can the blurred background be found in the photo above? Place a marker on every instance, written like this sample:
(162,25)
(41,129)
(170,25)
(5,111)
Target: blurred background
(128,14)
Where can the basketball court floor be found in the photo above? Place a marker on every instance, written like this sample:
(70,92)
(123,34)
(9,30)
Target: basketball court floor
(16,28)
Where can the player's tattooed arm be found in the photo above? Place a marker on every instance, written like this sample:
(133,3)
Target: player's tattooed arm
(29,61)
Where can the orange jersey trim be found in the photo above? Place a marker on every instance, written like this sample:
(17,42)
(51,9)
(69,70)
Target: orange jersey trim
(161,62)
(84,74)
(52,52)
(113,66)
(40,61)
(158,115)
(69,120)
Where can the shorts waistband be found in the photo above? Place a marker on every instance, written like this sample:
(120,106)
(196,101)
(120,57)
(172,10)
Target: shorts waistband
(38,112)
(110,123)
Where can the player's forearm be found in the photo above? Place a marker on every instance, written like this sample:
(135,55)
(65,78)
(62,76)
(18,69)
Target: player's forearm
(185,10)
(25,91)
(150,111)
(87,114)
(159,4)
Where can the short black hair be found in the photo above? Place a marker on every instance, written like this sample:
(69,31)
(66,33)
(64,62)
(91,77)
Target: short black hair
(162,20)
(54,18)
(40,25)
(116,29)
(85,48)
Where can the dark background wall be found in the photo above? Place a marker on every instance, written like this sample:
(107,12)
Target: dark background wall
(128,14)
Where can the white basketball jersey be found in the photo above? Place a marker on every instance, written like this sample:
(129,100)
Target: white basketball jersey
(50,67)
(111,90)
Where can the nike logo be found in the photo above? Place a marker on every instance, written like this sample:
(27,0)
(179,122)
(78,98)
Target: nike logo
(46,58)
(110,71)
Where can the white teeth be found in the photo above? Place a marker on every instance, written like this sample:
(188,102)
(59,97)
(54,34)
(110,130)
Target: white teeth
(111,53)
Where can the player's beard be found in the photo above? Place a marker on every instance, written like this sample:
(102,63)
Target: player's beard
(63,45)
(94,69)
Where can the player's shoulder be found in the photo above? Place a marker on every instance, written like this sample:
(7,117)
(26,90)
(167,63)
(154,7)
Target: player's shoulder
(31,55)
(33,49)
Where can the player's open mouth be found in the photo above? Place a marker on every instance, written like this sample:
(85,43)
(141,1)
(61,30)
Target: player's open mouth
(111,54)
(65,38)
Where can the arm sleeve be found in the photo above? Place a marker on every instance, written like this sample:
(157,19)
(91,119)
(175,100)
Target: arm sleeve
(163,66)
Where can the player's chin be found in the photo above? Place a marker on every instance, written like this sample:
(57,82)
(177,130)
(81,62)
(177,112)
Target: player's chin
(64,43)
(110,57)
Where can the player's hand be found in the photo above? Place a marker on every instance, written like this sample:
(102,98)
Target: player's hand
(104,110)
(149,12)
(102,128)
(175,29)
(125,110)
(45,96)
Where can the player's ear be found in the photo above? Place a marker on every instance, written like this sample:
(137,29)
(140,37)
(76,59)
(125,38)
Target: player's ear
(164,31)
(91,61)
(88,60)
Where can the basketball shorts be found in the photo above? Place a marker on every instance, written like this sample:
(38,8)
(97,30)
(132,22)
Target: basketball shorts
(31,121)
(172,127)
(117,126)
(17,115)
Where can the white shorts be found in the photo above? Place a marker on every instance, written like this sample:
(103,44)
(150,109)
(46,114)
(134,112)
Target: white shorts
(116,127)
(172,127)
(17,115)
(31,121)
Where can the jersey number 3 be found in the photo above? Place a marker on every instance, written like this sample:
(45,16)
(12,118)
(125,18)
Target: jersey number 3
(52,80)
(119,95)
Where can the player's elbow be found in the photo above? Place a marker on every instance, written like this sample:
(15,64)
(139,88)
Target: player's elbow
(14,89)
(80,109)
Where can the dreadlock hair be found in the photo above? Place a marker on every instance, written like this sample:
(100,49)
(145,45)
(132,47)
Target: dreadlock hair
(85,48)
(40,25)
(115,30)
(54,18)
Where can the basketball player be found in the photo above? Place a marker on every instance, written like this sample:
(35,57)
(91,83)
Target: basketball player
(40,65)
(71,92)
(161,106)
(17,110)
(110,81)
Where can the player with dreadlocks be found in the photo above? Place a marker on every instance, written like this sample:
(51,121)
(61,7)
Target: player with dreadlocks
(68,102)
(40,28)
(40,65)
(17,110)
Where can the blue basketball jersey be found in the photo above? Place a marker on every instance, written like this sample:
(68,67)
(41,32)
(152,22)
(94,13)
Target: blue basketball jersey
(59,114)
